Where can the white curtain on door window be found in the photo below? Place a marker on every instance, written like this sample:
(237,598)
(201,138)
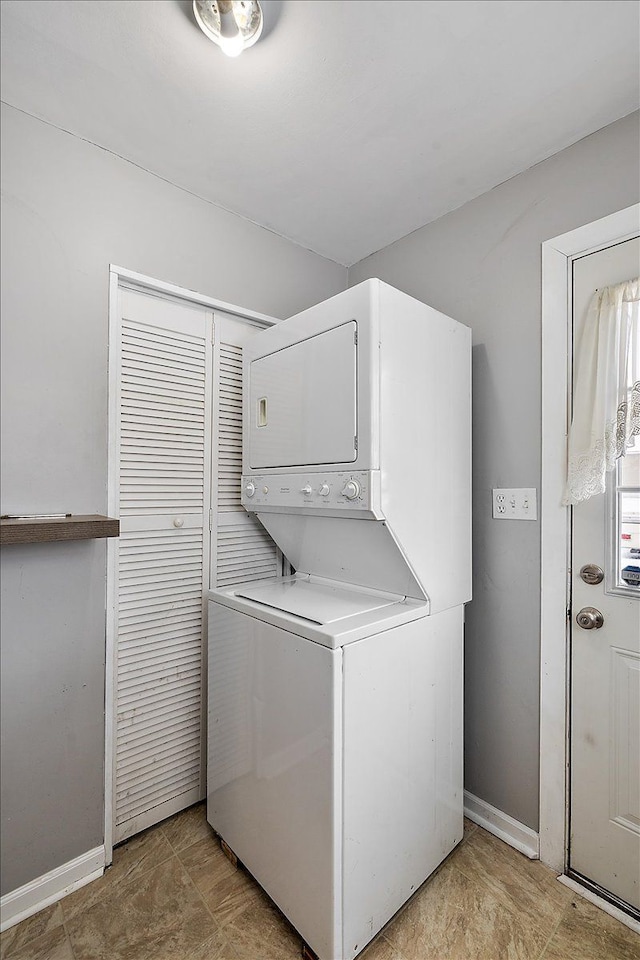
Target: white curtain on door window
(606,404)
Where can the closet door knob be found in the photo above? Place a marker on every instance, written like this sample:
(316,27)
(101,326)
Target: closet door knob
(178,522)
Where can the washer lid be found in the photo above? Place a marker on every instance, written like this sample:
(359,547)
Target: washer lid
(318,602)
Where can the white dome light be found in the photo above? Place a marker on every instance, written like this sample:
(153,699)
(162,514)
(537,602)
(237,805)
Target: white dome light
(233,24)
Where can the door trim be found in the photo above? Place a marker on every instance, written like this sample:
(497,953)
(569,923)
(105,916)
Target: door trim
(151,285)
(557,257)
(119,276)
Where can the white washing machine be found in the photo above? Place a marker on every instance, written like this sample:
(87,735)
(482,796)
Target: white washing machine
(335,695)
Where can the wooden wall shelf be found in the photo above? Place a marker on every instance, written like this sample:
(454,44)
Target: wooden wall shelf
(42,530)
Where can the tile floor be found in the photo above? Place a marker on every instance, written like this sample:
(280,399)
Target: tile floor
(172,895)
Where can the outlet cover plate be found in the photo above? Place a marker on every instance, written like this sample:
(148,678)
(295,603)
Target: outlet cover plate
(518,503)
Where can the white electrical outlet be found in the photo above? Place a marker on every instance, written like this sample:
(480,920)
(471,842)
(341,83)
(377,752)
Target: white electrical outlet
(517,504)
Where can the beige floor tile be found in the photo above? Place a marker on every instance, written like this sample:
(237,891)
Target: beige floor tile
(454,918)
(231,897)
(131,860)
(260,932)
(30,929)
(160,917)
(187,827)
(226,890)
(380,949)
(525,886)
(587,933)
(53,945)
(217,947)
(206,864)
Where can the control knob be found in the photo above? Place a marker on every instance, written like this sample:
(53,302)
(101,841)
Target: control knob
(351,489)
(323,490)
(250,488)
(307,490)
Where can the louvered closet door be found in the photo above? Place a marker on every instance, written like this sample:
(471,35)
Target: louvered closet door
(164,443)
(241,548)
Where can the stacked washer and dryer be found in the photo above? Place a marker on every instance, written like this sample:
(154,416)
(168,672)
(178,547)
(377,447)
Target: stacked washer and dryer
(335,694)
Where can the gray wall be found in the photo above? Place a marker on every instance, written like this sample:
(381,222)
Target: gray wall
(69,209)
(481,265)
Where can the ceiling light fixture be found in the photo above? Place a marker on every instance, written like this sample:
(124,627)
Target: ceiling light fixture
(233,24)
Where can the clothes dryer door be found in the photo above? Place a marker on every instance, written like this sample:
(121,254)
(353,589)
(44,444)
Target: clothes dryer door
(303,402)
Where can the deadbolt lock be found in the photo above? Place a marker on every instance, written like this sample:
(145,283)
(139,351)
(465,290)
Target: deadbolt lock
(589,618)
(592,573)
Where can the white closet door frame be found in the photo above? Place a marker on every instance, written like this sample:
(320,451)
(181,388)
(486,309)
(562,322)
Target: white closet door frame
(121,277)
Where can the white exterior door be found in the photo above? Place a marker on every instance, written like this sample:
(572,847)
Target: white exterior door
(604,844)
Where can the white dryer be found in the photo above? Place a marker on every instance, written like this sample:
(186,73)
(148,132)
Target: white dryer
(335,695)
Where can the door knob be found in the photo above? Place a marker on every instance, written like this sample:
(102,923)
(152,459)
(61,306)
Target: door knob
(589,618)
(178,522)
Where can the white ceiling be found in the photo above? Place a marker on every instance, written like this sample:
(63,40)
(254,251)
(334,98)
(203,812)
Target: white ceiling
(350,123)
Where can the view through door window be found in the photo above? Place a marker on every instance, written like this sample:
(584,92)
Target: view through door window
(625,513)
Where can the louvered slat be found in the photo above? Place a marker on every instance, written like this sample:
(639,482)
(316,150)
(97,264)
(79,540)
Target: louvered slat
(163,784)
(158,708)
(229,415)
(160,717)
(137,700)
(170,418)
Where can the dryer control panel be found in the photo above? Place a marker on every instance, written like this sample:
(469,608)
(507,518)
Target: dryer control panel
(356,491)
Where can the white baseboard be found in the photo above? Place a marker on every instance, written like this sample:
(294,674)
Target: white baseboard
(50,887)
(513,832)
(600,902)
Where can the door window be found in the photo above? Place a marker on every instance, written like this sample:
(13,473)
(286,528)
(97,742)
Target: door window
(623,575)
